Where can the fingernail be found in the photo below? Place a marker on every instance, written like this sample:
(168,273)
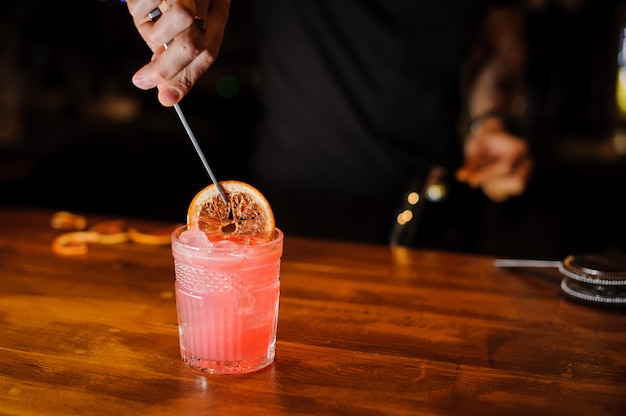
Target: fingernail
(142,83)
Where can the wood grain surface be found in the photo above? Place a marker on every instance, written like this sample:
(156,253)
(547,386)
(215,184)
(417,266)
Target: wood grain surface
(363,330)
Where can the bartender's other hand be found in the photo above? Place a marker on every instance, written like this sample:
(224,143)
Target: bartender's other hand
(496,161)
(190,49)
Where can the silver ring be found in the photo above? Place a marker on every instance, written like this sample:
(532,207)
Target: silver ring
(200,24)
(155,14)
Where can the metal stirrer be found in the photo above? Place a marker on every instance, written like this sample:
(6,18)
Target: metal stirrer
(192,137)
(196,146)
(515,263)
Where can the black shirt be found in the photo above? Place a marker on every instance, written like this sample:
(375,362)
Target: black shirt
(358,97)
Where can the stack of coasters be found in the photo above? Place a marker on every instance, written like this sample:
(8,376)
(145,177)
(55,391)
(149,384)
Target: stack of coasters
(595,278)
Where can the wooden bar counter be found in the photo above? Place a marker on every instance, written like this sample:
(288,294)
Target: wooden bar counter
(363,330)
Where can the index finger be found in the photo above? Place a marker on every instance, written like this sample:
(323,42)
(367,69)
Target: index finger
(144,10)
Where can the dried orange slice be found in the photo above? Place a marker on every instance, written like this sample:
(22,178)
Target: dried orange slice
(246,213)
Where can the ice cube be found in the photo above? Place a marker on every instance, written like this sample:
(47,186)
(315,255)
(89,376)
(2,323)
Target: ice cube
(194,237)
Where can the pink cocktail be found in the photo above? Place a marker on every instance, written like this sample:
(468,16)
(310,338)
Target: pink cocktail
(227,295)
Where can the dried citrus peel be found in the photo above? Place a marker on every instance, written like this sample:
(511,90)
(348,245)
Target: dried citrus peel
(111,232)
(74,243)
(159,236)
(105,232)
(68,221)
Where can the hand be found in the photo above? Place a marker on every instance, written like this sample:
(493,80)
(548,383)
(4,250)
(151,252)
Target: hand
(496,161)
(175,69)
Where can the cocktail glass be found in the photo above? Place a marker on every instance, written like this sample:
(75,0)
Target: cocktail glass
(227,298)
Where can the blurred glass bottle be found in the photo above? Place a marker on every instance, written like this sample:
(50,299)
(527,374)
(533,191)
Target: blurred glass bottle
(619,136)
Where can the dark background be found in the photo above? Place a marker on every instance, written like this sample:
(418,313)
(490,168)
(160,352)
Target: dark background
(75,134)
